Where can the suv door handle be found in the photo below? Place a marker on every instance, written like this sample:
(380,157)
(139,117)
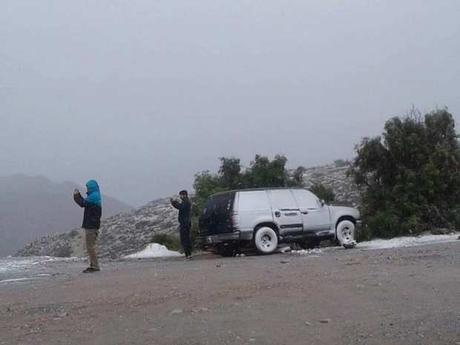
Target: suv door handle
(304,212)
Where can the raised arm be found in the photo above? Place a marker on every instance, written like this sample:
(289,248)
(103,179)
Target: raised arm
(176,204)
(79,199)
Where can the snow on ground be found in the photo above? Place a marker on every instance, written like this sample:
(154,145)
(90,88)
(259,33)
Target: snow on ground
(401,242)
(153,250)
(315,251)
(289,250)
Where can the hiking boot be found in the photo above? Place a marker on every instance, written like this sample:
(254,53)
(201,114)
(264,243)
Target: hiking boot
(91,270)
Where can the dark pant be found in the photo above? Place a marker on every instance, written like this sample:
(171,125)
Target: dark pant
(185,240)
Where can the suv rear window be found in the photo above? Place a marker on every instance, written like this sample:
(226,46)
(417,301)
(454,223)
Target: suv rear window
(216,217)
(219,204)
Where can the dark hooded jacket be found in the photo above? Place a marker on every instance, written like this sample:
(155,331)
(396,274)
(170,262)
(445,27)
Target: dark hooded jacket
(185,211)
(92,205)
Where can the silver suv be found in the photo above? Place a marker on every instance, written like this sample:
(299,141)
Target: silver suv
(263,218)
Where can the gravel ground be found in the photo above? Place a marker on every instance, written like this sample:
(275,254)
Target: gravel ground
(392,296)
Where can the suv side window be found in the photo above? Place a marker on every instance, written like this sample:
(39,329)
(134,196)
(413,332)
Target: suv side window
(282,199)
(305,199)
(253,201)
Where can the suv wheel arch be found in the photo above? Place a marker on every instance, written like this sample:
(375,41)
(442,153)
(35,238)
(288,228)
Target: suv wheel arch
(268,224)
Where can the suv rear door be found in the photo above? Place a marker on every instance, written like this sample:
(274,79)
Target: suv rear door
(253,207)
(286,212)
(217,214)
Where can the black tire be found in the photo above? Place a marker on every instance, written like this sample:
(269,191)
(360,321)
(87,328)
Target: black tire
(227,251)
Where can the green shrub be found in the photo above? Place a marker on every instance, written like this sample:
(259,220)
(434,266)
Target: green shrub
(340,163)
(170,241)
(410,176)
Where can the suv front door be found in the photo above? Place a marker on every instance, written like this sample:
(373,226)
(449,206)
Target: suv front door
(286,212)
(315,216)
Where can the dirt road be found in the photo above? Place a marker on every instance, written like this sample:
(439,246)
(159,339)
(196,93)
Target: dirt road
(394,296)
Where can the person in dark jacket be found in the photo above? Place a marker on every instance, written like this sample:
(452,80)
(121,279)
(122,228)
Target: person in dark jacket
(91,221)
(185,221)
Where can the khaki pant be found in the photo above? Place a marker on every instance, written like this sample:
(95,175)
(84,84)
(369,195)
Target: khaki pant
(91,246)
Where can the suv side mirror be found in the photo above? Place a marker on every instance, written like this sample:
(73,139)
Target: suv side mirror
(322,202)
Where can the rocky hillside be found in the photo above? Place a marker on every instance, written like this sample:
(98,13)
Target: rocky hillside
(334,176)
(122,234)
(129,232)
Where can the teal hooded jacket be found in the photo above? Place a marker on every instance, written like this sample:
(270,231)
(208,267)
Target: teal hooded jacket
(92,205)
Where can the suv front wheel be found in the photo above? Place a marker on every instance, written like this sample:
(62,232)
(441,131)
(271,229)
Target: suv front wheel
(345,232)
(266,240)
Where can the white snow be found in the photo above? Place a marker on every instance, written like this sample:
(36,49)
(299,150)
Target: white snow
(401,242)
(314,252)
(285,249)
(14,280)
(23,263)
(153,250)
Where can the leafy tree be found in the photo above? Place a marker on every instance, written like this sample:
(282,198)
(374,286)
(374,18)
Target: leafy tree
(205,185)
(230,173)
(410,176)
(262,172)
(297,176)
(266,173)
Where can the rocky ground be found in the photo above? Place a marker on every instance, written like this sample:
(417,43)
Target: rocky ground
(129,232)
(335,296)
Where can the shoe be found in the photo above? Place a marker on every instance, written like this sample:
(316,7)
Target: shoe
(91,270)
(188,257)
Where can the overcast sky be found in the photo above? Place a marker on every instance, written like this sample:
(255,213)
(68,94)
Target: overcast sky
(143,94)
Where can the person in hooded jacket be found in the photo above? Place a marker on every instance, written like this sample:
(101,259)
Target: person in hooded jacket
(91,220)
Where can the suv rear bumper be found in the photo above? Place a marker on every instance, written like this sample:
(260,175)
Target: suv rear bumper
(235,236)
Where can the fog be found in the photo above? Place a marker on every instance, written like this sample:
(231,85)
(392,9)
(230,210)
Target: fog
(141,95)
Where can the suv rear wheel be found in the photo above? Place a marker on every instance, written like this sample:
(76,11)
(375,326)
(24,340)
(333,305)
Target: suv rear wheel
(266,240)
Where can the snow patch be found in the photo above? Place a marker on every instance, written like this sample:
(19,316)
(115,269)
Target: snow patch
(14,280)
(315,251)
(153,250)
(24,263)
(402,242)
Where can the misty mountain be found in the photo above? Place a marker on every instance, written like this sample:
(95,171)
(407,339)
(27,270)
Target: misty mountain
(31,207)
